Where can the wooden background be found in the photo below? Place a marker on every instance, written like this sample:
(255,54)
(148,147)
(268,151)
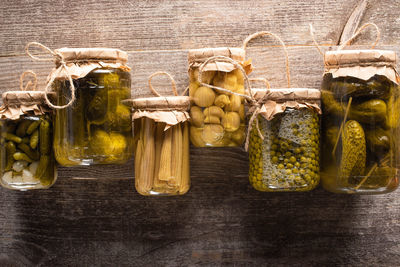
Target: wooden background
(93,216)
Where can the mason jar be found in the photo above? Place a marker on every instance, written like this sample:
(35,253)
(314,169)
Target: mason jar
(287,154)
(96,127)
(361,106)
(217,117)
(27,159)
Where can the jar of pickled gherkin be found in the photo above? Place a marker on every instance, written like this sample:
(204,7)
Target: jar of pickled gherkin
(161,143)
(217,100)
(361,107)
(92,125)
(26,125)
(283,139)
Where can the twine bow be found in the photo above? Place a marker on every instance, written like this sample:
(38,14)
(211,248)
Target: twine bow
(255,111)
(257,105)
(58,57)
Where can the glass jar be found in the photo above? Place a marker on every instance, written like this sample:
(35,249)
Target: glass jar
(161,144)
(361,107)
(27,159)
(217,117)
(287,158)
(97,127)
(161,158)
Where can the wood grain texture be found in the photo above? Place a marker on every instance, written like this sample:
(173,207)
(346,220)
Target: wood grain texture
(93,216)
(165,25)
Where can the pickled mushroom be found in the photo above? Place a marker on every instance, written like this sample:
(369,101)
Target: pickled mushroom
(231,121)
(225,80)
(212,119)
(204,97)
(193,86)
(214,111)
(235,103)
(212,133)
(238,136)
(196,116)
(207,76)
(196,136)
(221,101)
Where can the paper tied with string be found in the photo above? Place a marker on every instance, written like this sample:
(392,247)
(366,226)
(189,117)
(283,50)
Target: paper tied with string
(81,61)
(170,109)
(274,101)
(198,56)
(19,103)
(362,64)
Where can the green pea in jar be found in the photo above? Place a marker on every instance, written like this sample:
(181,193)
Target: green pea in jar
(284,143)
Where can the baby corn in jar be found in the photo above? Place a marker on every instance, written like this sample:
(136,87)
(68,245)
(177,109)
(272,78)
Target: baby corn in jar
(161,143)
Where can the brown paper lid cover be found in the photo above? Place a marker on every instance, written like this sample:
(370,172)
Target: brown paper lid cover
(284,94)
(202,54)
(109,54)
(362,64)
(19,103)
(343,57)
(23,97)
(162,103)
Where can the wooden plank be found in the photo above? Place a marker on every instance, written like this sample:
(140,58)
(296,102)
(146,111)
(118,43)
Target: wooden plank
(220,221)
(305,62)
(179,24)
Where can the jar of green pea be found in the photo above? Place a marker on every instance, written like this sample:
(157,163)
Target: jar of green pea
(284,146)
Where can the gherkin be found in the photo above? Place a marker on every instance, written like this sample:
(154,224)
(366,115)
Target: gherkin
(353,159)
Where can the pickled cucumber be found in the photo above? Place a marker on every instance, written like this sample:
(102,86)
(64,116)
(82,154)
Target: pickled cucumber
(353,159)
(367,137)
(26,156)
(98,107)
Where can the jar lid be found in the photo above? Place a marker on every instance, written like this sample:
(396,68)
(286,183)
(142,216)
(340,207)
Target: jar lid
(358,57)
(162,103)
(281,94)
(202,54)
(85,54)
(23,97)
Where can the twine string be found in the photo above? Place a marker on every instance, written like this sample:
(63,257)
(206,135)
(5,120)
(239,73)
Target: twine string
(29,84)
(315,41)
(262,33)
(237,65)
(63,67)
(173,83)
(358,32)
